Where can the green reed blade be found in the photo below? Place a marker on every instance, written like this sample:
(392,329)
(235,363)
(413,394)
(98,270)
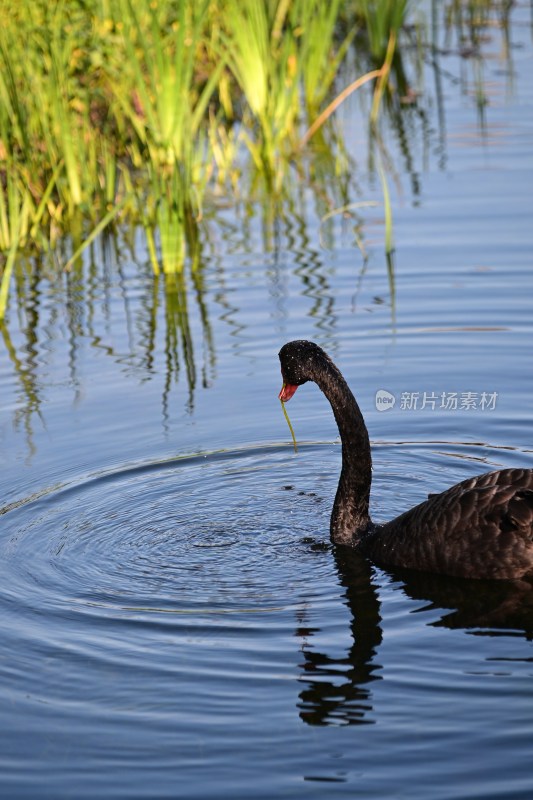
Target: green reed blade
(6,276)
(290,426)
(95,233)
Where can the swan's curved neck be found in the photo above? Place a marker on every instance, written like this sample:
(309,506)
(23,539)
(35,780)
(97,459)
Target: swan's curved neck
(350,518)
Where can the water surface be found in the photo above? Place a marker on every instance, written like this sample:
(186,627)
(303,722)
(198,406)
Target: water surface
(173,620)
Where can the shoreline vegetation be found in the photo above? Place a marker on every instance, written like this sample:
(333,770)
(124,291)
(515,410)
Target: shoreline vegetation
(146,113)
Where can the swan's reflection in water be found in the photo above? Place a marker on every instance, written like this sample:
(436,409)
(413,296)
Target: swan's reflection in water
(484,608)
(337,691)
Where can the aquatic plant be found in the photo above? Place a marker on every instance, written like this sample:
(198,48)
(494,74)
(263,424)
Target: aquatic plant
(141,112)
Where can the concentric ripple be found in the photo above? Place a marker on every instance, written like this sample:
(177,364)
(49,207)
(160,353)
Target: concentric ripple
(219,531)
(165,534)
(209,529)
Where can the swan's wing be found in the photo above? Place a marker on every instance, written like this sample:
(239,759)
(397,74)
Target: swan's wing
(482,527)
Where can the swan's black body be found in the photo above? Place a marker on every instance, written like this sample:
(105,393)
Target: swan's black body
(480,528)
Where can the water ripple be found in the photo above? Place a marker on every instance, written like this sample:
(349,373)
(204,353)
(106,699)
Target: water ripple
(168,597)
(216,531)
(185,532)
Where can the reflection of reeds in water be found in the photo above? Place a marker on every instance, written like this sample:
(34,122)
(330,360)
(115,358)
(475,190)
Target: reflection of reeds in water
(467,29)
(30,404)
(177,334)
(143,325)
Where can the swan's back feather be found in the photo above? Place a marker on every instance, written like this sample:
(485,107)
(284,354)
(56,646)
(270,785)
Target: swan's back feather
(481,527)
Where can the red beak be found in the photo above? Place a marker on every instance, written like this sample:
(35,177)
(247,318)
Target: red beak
(287,391)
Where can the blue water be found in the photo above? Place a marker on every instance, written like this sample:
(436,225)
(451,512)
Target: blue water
(173,620)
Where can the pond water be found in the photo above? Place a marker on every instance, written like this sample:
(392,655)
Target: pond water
(173,621)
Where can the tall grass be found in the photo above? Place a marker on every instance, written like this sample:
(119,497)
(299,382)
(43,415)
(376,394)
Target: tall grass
(49,119)
(285,57)
(164,101)
(132,110)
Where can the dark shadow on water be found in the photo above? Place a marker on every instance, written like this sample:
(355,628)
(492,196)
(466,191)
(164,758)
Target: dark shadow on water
(483,608)
(336,690)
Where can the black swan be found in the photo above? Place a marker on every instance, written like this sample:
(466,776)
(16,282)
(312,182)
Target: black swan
(480,528)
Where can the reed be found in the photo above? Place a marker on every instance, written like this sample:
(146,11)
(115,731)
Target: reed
(51,145)
(132,110)
(263,57)
(285,57)
(164,102)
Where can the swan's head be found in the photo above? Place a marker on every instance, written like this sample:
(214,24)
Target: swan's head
(300,361)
